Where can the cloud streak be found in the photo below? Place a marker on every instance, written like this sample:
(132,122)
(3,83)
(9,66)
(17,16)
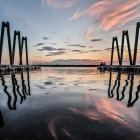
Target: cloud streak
(96,40)
(45,38)
(81,46)
(39,44)
(48,48)
(88,35)
(58,3)
(56,53)
(111,14)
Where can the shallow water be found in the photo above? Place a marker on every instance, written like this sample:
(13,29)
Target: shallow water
(69,103)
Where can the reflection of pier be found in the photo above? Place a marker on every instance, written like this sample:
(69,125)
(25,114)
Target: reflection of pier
(16,90)
(132,67)
(16,93)
(129,82)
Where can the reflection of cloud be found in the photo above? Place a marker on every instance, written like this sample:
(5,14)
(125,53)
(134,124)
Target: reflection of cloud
(107,110)
(54,129)
(66,133)
(51,126)
(58,3)
(111,14)
(41,87)
(48,83)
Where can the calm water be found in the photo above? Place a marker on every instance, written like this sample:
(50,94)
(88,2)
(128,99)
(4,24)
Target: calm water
(69,103)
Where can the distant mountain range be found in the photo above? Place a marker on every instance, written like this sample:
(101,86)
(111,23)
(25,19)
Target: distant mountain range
(73,62)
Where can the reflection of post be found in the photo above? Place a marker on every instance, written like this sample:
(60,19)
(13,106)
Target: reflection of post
(118,79)
(124,88)
(28,80)
(24,91)
(130,102)
(130,91)
(130,77)
(110,79)
(137,96)
(22,97)
(1,120)
(14,91)
(15,88)
(5,90)
(115,84)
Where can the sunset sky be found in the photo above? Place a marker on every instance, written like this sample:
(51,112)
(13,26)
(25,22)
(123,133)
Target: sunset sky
(70,29)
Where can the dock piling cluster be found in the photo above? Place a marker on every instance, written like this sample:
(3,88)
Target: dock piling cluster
(132,67)
(22,41)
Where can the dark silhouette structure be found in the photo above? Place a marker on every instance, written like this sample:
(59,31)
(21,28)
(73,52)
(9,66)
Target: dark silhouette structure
(1,120)
(12,49)
(120,56)
(129,83)
(17,34)
(24,39)
(6,25)
(16,92)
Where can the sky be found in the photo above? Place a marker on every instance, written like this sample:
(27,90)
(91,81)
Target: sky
(70,29)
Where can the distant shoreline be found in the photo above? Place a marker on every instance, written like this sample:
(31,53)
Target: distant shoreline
(68,65)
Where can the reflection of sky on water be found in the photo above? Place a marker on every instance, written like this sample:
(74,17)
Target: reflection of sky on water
(71,103)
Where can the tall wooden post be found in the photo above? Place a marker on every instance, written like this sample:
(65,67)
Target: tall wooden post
(17,33)
(6,25)
(136,43)
(24,39)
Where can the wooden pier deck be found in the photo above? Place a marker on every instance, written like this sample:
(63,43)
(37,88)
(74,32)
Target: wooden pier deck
(123,68)
(16,68)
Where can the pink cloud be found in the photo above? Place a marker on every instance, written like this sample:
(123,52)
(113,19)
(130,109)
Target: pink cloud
(88,34)
(58,3)
(76,15)
(111,14)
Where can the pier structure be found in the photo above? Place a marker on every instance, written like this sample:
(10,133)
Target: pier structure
(22,43)
(132,61)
